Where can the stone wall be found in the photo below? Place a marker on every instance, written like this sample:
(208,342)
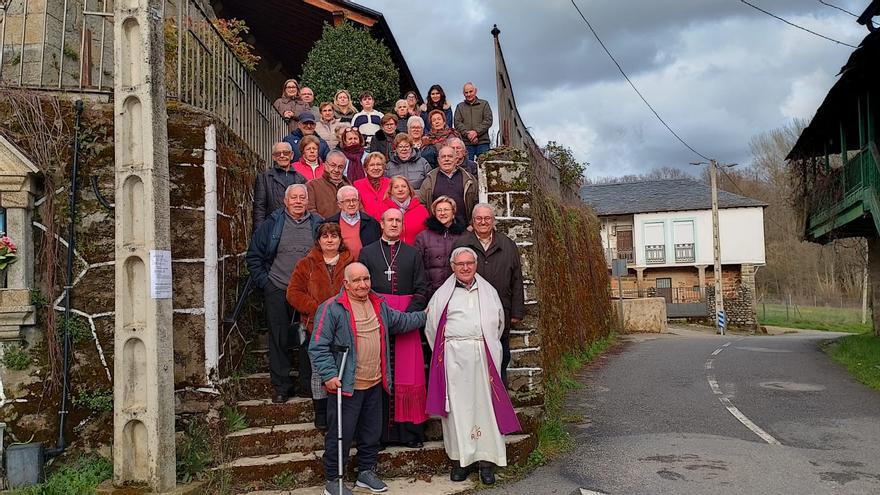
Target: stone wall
(504,184)
(29,407)
(740,303)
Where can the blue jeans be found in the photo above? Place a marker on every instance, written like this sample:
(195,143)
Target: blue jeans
(475,150)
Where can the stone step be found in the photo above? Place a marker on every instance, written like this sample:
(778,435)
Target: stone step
(258,385)
(307,468)
(301,437)
(436,485)
(263,412)
(304,437)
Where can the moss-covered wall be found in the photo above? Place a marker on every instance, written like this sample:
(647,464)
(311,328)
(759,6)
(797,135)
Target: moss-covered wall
(35,399)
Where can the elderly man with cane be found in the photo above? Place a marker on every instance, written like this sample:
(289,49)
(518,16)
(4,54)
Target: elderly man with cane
(349,349)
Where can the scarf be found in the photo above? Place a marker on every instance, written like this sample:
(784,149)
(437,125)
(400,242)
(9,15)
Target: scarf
(354,154)
(403,206)
(440,136)
(375,182)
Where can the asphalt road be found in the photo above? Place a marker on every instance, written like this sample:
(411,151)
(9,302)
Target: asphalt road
(657,415)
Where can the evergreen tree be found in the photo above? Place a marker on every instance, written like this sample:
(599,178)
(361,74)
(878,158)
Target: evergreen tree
(350,58)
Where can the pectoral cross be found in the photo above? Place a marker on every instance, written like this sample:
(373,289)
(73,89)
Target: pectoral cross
(389,272)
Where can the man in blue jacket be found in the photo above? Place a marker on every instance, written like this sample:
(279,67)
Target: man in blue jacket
(359,320)
(304,127)
(282,239)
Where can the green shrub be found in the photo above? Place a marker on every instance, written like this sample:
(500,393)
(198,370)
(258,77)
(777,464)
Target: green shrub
(78,328)
(81,476)
(349,58)
(193,453)
(234,419)
(16,358)
(96,401)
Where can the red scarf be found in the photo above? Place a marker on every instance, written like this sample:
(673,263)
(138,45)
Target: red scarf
(355,154)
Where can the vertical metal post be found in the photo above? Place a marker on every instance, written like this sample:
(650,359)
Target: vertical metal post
(23,36)
(716,247)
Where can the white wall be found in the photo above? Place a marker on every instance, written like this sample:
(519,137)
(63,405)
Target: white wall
(741,232)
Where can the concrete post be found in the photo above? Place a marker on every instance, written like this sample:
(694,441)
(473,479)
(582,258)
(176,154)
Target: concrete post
(874,277)
(701,273)
(640,275)
(211,291)
(143,391)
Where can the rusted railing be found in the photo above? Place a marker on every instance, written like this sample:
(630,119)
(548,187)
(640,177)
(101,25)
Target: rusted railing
(68,45)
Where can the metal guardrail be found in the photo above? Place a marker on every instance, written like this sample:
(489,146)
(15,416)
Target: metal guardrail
(56,45)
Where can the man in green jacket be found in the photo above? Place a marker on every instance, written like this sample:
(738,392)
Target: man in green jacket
(359,320)
(473,118)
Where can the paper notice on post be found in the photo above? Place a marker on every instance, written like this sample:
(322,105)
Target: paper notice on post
(160,274)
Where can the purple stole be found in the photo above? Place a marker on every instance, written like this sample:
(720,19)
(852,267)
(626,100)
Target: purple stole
(505,416)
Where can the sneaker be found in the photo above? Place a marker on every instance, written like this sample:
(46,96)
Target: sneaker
(370,480)
(332,488)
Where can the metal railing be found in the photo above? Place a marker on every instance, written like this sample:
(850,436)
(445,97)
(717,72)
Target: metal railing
(684,253)
(655,254)
(623,254)
(37,50)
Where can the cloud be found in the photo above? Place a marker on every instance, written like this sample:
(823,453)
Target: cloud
(717,71)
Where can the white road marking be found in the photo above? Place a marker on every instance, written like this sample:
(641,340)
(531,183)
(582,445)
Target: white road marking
(584,491)
(748,423)
(727,344)
(717,351)
(714,385)
(709,363)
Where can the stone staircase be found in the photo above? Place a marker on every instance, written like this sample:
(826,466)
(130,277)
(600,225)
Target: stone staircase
(281,443)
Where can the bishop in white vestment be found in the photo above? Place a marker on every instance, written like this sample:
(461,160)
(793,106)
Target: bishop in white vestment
(465,324)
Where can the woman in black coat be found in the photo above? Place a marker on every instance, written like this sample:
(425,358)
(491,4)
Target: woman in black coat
(435,243)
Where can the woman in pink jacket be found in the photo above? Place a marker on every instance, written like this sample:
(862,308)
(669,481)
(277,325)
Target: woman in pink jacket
(373,188)
(401,195)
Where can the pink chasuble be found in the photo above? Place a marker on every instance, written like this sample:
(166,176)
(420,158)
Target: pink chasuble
(409,370)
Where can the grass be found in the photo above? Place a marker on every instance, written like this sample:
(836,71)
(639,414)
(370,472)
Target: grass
(860,354)
(553,439)
(81,476)
(16,358)
(96,401)
(193,453)
(234,419)
(813,317)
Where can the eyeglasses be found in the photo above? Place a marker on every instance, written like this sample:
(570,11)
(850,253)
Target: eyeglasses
(483,219)
(281,153)
(349,201)
(464,263)
(307,124)
(443,210)
(333,166)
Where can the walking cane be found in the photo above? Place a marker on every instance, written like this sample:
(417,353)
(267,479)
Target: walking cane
(344,350)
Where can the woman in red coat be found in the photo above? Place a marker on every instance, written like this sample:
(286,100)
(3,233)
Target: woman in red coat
(402,196)
(373,188)
(316,278)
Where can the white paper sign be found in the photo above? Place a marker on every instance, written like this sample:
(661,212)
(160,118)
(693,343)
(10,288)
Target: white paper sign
(160,274)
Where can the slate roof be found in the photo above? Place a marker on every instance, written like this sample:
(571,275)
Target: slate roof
(658,195)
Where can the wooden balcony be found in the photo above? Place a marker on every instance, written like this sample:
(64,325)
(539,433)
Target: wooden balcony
(846,201)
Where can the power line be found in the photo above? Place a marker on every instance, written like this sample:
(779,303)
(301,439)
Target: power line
(759,9)
(838,8)
(596,35)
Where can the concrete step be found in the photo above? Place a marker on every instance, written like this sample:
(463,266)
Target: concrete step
(259,385)
(434,485)
(307,468)
(263,412)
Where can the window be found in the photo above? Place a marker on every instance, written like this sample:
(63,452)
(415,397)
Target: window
(683,237)
(655,243)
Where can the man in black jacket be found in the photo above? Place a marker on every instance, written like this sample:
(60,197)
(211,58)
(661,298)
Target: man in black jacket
(358,228)
(269,187)
(499,262)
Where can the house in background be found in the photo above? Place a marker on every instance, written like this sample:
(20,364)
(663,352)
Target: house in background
(663,229)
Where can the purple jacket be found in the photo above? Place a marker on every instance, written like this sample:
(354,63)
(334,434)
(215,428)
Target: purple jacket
(435,245)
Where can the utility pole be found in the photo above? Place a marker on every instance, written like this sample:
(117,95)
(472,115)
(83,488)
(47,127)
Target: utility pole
(716,247)
(720,317)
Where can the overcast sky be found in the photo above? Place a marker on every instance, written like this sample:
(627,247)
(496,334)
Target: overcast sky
(718,71)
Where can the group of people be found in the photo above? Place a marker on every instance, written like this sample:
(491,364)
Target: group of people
(375,242)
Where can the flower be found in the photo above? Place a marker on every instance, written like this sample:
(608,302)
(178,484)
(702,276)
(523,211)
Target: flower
(7,252)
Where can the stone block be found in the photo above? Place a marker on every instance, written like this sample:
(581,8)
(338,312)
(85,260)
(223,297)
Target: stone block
(520,204)
(525,358)
(499,203)
(94,293)
(189,350)
(188,283)
(503,175)
(644,315)
(15,297)
(518,230)
(33,27)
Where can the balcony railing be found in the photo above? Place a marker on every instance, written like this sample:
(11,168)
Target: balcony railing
(75,53)
(623,254)
(684,253)
(655,254)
